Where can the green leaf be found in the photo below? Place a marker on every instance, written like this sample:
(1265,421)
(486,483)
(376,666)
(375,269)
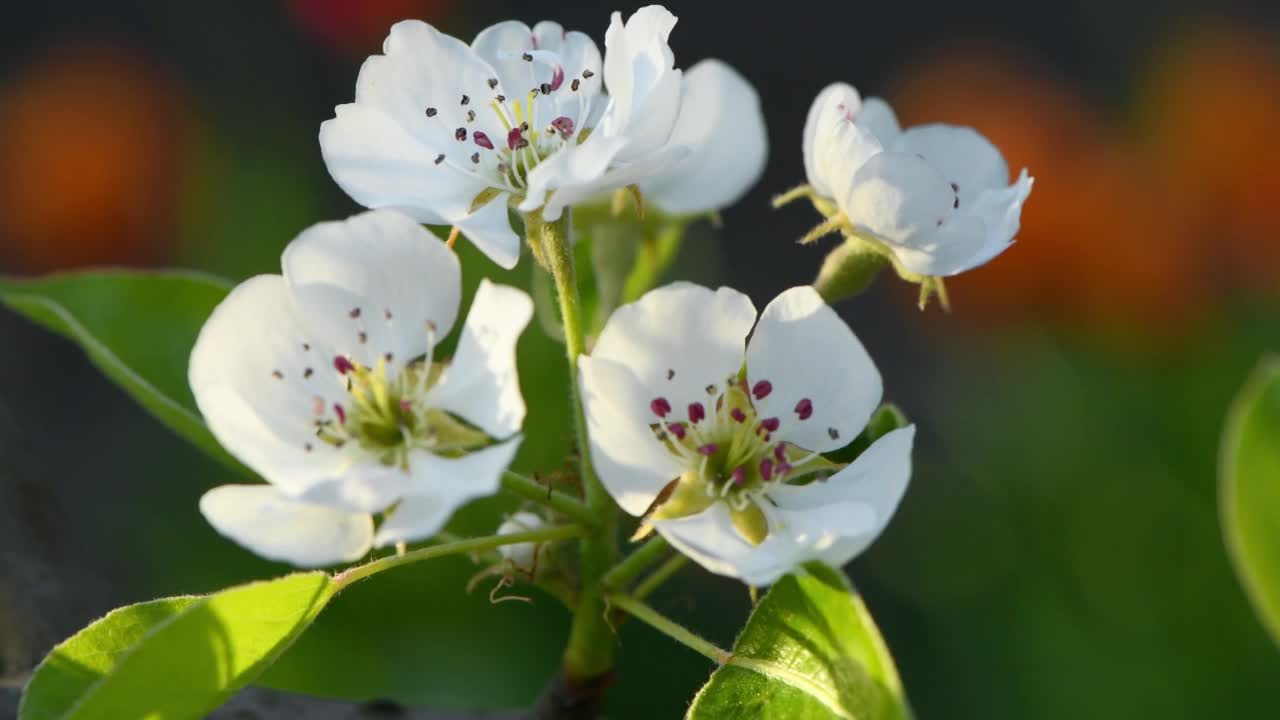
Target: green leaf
(138,327)
(174,658)
(1249,491)
(809,651)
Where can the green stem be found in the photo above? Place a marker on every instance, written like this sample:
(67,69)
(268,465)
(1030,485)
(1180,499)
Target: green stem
(792,195)
(531,489)
(669,627)
(590,650)
(635,563)
(660,576)
(481,544)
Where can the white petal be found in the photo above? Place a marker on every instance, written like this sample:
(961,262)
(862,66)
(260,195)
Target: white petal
(710,539)
(953,248)
(441,486)
(581,57)
(835,144)
(502,46)
(806,352)
(489,229)
(720,120)
(1001,212)
(973,235)
(381,165)
(374,284)
(550,50)
(962,155)
(481,384)
(879,119)
(832,103)
(679,339)
(365,486)
(424,68)
(644,87)
(898,197)
(832,521)
(631,463)
(257,375)
(613,179)
(877,480)
(575,170)
(283,529)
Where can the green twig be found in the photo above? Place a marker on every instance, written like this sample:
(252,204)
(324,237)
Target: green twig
(659,576)
(635,563)
(531,489)
(481,544)
(668,627)
(590,650)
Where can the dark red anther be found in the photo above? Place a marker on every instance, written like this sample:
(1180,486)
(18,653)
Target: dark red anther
(515,139)
(784,468)
(697,413)
(677,429)
(406,407)
(739,476)
(563,125)
(343,365)
(780,451)
(766,469)
(482,140)
(340,412)
(709,449)
(804,408)
(770,424)
(762,389)
(738,415)
(660,407)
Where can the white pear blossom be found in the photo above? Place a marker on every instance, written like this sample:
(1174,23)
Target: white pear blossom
(455,134)
(522,556)
(717,440)
(721,122)
(323,380)
(936,197)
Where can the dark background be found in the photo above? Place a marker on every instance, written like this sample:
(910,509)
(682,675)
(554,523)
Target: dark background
(1058,553)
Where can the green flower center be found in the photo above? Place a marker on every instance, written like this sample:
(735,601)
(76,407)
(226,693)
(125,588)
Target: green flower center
(731,456)
(388,415)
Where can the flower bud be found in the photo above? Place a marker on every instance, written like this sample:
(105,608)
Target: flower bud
(524,556)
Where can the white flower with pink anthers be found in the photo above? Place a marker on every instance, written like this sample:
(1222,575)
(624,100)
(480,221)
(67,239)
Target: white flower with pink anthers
(936,199)
(324,381)
(455,134)
(719,446)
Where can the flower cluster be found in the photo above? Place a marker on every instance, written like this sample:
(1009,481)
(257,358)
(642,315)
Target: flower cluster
(712,424)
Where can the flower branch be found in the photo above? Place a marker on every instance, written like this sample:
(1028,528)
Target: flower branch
(531,489)
(481,544)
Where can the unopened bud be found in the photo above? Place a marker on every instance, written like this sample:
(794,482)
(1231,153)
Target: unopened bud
(522,555)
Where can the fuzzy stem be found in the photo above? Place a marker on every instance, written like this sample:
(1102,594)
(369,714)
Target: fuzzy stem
(481,544)
(669,627)
(659,576)
(535,491)
(635,563)
(590,650)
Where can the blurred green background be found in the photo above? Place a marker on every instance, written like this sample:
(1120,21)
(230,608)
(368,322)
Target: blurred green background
(1058,553)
